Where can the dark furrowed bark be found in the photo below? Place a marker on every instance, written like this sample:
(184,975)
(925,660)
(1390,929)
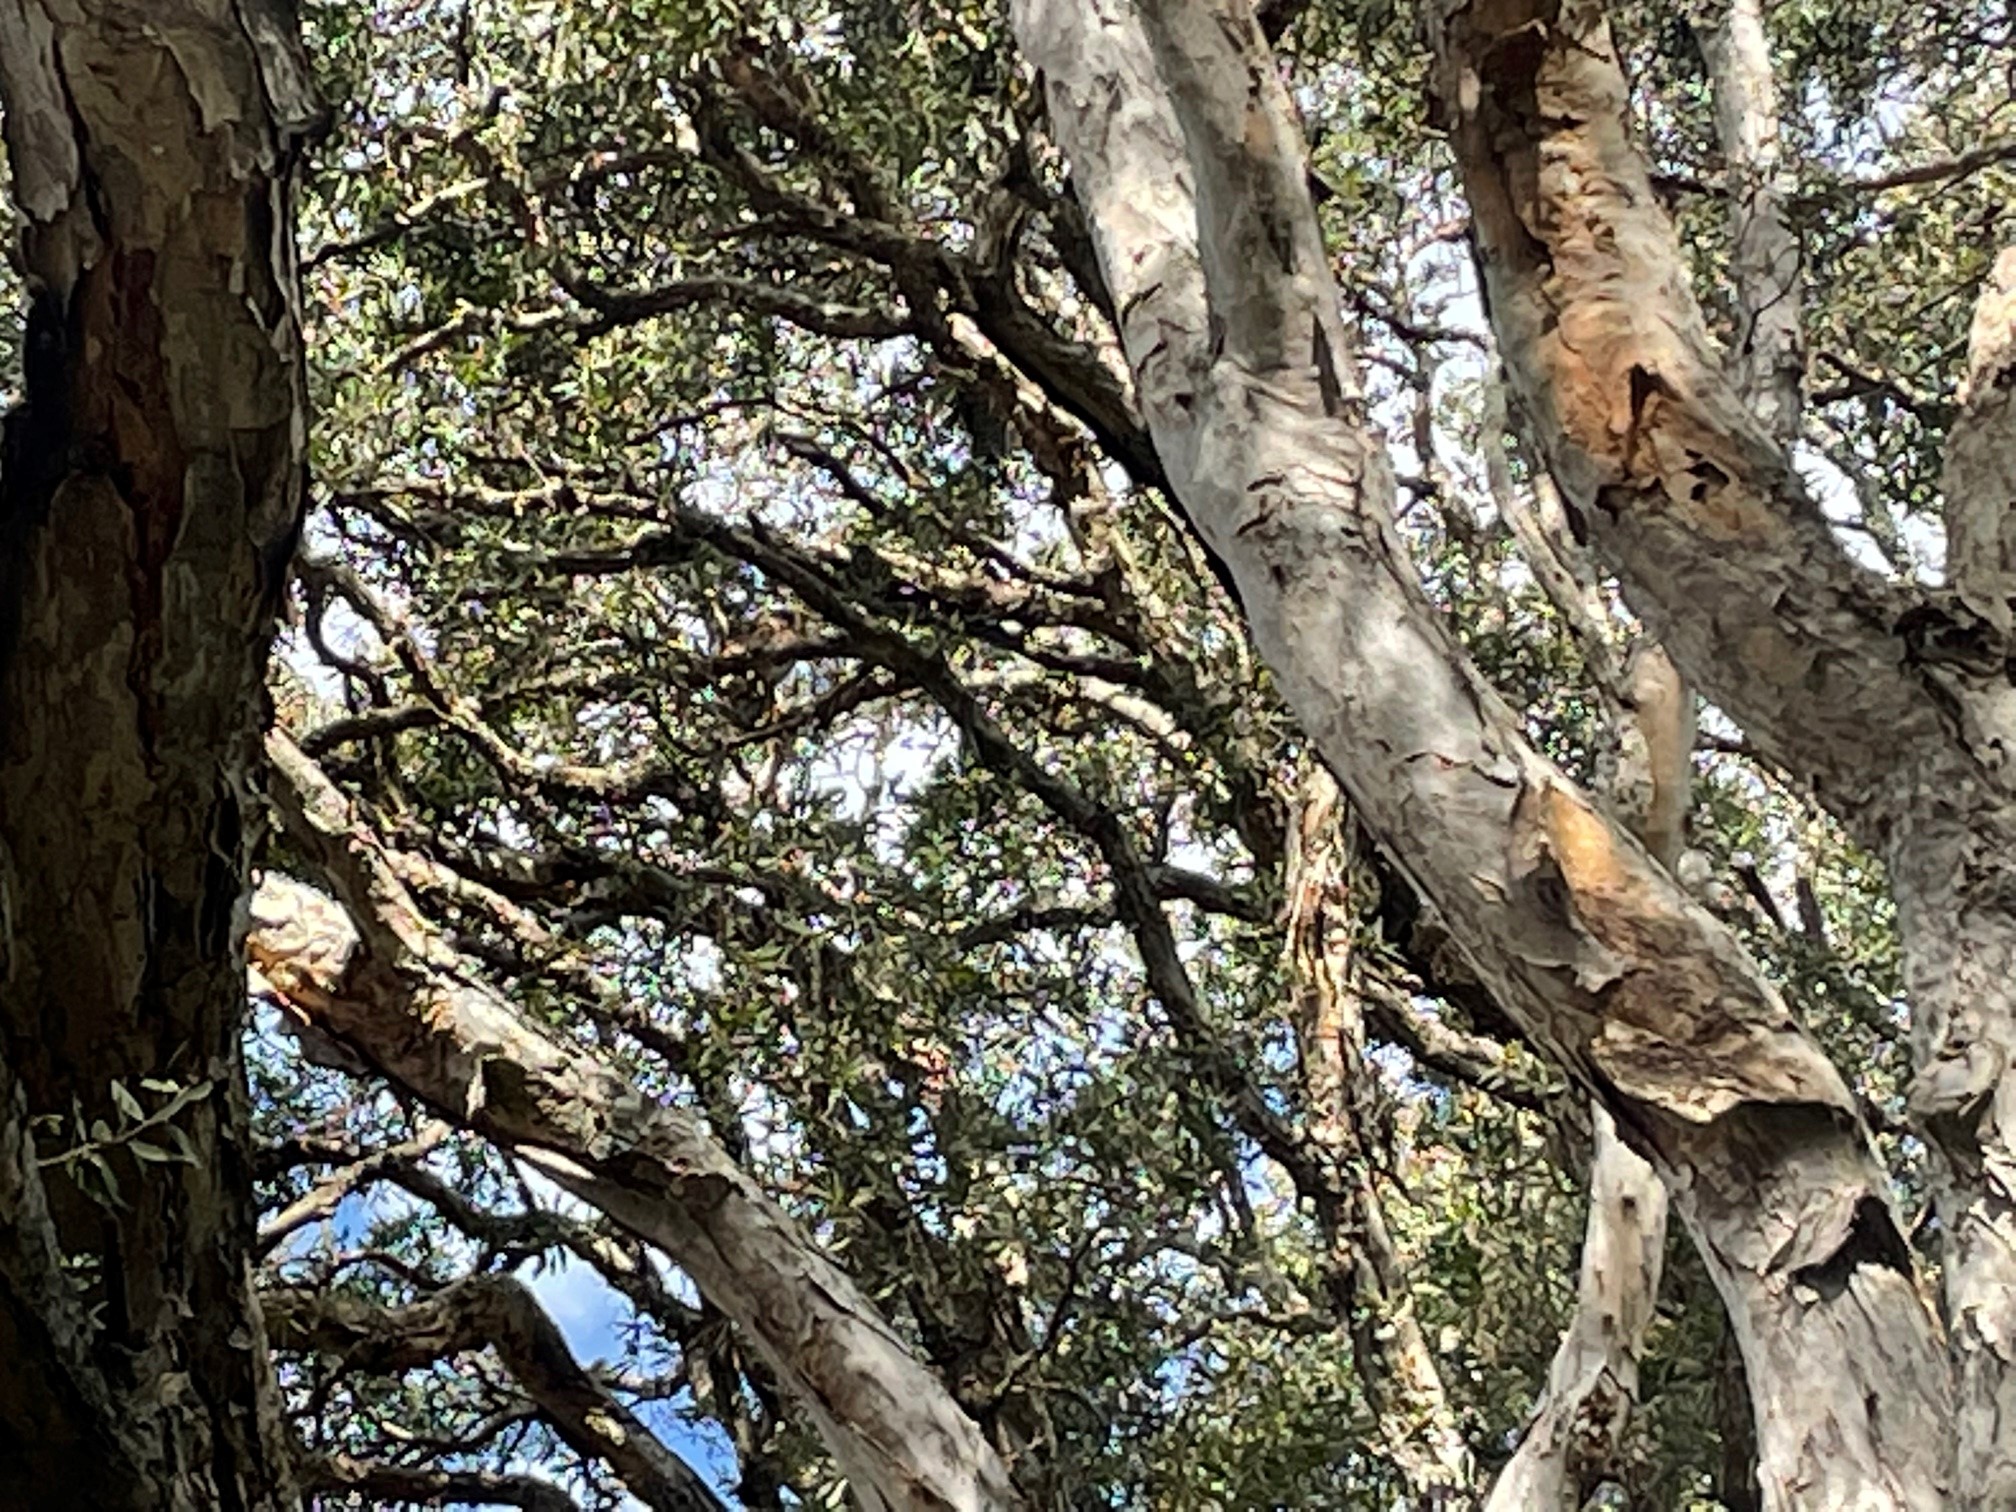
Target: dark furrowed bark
(149,501)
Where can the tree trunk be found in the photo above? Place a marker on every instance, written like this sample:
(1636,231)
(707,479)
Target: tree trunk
(150,499)
(1950,867)
(1191,165)
(1892,707)
(1958,928)
(1593,1381)
(1768,362)
(1592,1385)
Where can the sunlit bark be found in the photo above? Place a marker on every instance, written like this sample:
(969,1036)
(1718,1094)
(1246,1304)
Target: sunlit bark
(1894,708)
(1188,158)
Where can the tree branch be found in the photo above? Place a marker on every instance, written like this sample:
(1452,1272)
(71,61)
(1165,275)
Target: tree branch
(1691,499)
(1642,996)
(495,1312)
(423,1487)
(1769,361)
(399,997)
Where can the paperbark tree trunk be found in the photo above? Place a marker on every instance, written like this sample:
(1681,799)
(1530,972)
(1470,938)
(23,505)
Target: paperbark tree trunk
(150,495)
(1956,916)
(1190,163)
(1592,1385)
(392,992)
(1893,707)
(1593,1381)
(1768,363)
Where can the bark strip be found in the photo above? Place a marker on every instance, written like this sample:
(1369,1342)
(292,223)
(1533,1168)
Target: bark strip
(1395,1366)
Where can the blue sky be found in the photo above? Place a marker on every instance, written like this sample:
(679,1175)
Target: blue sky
(591,1315)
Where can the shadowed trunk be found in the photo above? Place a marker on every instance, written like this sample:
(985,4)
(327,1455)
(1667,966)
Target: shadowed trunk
(150,499)
(1396,1368)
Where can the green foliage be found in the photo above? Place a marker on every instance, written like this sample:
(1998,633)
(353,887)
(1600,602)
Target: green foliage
(714,589)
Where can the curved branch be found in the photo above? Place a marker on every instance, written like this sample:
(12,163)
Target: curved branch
(397,995)
(428,1487)
(495,1312)
(1230,323)
(1688,495)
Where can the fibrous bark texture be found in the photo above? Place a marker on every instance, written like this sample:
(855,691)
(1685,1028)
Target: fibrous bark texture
(395,994)
(1187,155)
(1571,1443)
(1768,360)
(1893,708)
(1401,1380)
(1593,1381)
(1981,458)
(150,498)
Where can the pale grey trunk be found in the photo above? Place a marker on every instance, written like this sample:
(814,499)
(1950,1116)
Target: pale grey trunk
(389,989)
(1768,360)
(1980,476)
(1957,920)
(150,499)
(1593,1382)
(1572,1441)
(1950,864)
(1191,166)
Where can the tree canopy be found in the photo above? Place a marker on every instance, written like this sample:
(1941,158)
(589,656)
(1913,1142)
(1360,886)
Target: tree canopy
(794,803)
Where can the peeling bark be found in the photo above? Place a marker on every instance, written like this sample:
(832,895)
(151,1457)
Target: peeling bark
(1593,1382)
(1191,166)
(390,990)
(1592,1385)
(1980,477)
(1956,908)
(1672,476)
(1957,921)
(1768,356)
(149,498)
(1396,1368)
(1895,710)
